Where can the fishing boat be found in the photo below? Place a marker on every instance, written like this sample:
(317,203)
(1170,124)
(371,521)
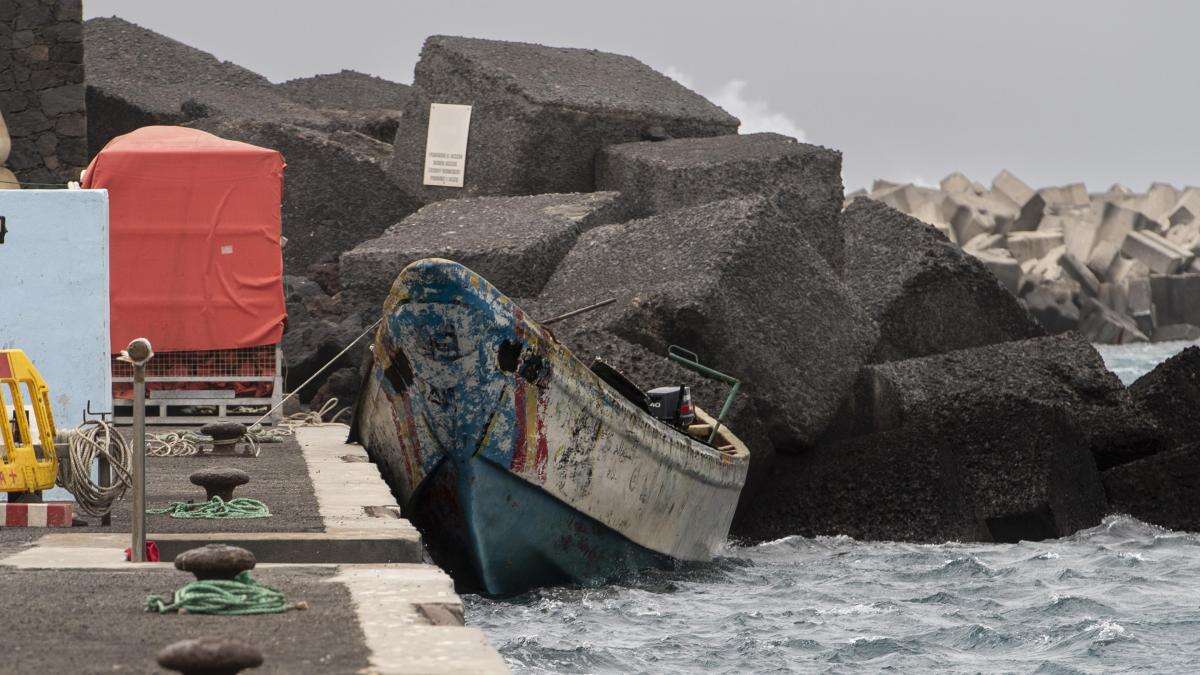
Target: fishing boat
(522,466)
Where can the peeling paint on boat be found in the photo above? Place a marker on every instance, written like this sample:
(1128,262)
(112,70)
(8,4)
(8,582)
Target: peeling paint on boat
(462,375)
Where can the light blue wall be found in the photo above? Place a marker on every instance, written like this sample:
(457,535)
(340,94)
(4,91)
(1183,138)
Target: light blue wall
(54,295)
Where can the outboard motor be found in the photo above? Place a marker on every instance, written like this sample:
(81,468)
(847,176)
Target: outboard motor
(672,405)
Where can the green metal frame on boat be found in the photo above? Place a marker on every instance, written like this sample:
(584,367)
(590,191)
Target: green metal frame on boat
(689,359)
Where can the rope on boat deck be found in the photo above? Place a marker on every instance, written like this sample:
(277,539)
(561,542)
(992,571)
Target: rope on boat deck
(239,596)
(239,507)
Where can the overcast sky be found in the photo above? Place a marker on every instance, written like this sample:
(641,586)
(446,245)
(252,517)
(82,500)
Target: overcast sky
(1101,91)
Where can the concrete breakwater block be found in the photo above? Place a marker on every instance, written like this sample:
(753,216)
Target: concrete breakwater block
(1171,394)
(513,242)
(802,181)
(1163,489)
(336,193)
(1061,373)
(539,114)
(927,296)
(354,101)
(732,282)
(996,470)
(1176,298)
(136,77)
(1053,307)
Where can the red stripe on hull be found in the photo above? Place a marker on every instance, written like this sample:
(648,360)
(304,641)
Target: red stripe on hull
(518,459)
(543,452)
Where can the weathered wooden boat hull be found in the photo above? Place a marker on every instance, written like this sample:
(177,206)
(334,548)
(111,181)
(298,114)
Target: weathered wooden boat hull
(520,466)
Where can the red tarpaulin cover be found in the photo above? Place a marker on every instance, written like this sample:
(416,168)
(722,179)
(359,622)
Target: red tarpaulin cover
(194,251)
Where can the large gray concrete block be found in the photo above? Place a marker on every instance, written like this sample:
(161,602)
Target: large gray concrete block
(336,193)
(1158,203)
(981,470)
(733,283)
(1033,245)
(1053,307)
(1013,188)
(802,181)
(1104,325)
(974,212)
(1061,372)
(1176,298)
(955,182)
(1158,253)
(1052,201)
(514,242)
(540,114)
(1187,209)
(136,77)
(927,296)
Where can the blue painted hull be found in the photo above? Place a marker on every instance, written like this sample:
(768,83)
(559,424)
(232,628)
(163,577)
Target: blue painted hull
(518,464)
(498,535)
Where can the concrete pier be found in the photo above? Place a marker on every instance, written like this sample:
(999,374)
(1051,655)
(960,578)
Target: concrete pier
(335,540)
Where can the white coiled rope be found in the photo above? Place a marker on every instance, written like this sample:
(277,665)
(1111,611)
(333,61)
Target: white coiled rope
(85,444)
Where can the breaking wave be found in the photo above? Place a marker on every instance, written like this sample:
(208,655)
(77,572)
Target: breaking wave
(1121,595)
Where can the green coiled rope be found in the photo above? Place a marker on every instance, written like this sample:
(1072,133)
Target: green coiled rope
(238,507)
(239,596)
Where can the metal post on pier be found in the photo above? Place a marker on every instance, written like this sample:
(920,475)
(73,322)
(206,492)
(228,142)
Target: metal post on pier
(138,353)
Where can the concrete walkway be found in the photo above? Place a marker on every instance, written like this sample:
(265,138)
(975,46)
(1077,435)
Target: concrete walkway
(406,616)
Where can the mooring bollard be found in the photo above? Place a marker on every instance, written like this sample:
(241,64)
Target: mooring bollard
(208,656)
(138,353)
(215,561)
(219,481)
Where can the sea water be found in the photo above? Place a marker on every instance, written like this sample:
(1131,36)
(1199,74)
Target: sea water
(1124,595)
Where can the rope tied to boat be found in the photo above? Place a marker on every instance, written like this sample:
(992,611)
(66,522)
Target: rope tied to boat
(239,596)
(239,507)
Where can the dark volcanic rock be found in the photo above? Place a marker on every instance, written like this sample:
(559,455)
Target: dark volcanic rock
(317,331)
(355,101)
(335,191)
(540,114)
(136,77)
(927,296)
(342,384)
(1000,470)
(1171,394)
(1061,373)
(1163,489)
(513,242)
(346,90)
(734,284)
(802,181)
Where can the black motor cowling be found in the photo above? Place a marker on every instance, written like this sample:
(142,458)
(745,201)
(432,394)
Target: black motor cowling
(672,405)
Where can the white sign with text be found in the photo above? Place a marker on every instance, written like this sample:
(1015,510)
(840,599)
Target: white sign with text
(446,144)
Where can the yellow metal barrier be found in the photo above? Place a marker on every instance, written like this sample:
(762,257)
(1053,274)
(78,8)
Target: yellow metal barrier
(27,464)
